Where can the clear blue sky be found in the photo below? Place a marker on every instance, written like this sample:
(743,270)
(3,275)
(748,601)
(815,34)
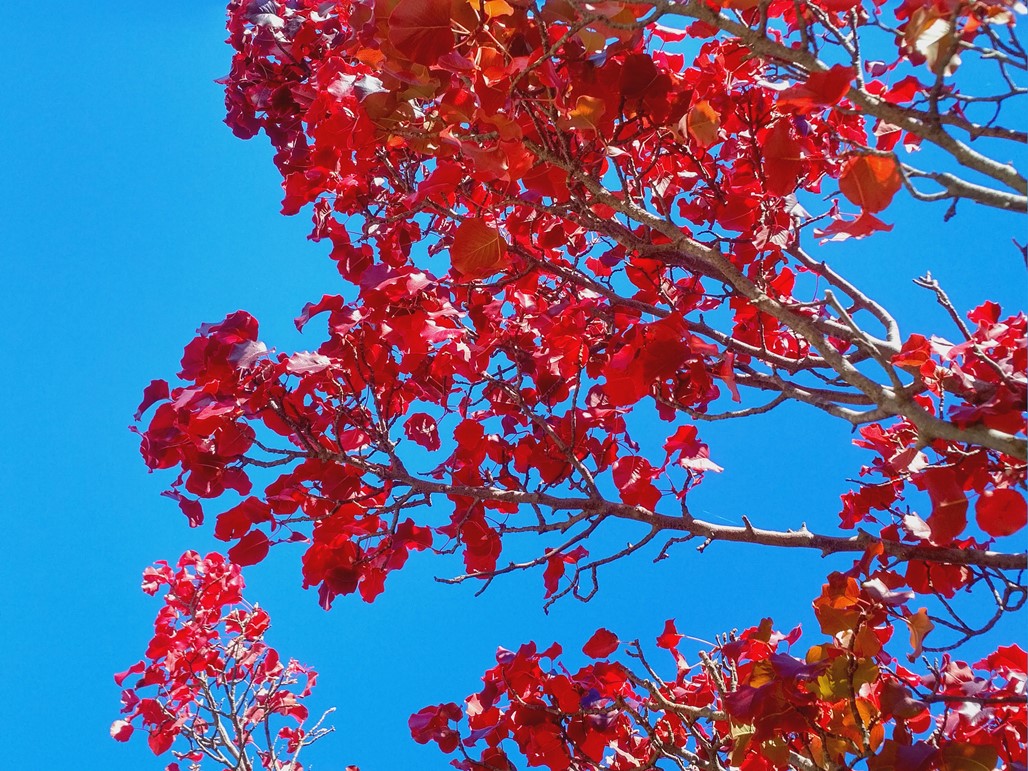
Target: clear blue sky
(131,215)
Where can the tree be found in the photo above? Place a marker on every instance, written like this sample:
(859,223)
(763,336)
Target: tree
(209,679)
(573,233)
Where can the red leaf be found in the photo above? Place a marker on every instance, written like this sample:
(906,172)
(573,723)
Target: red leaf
(478,250)
(641,78)
(1005,659)
(985,314)
(422,429)
(683,441)
(1001,512)
(633,476)
(728,375)
(565,693)
(441,182)
(842,229)
(192,509)
(421,30)
(372,585)
(553,573)
(251,549)
(236,522)
(601,644)
(135,669)
(668,34)
(555,567)
(307,363)
(155,392)
(121,730)
(160,741)
(870,181)
(949,504)
(822,89)
(328,302)
(433,724)
(914,353)
(783,163)
(232,440)
(670,637)
(482,544)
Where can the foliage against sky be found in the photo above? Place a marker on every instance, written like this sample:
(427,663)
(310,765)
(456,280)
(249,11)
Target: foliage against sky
(567,166)
(942,521)
(565,160)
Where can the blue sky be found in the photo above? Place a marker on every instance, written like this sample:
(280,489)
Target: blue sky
(131,216)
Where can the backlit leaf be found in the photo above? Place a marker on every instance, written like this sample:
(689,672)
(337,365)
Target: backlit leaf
(121,730)
(421,30)
(601,644)
(702,123)
(494,8)
(821,89)
(587,112)
(669,638)
(962,756)
(478,250)
(251,549)
(920,625)
(1001,512)
(783,159)
(870,181)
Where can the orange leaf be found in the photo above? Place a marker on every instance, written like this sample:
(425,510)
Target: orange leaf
(932,36)
(961,756)
(870,181)
(593,41)
(478,250)
(702,123)
(920,625)
(587,112)
(494,8)
(370,56)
